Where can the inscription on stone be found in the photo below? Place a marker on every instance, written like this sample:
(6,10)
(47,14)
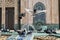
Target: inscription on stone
(9,2)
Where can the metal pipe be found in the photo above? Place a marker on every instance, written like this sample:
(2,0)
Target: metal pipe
(19,16)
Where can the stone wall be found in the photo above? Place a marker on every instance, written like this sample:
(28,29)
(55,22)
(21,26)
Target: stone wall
(52,13)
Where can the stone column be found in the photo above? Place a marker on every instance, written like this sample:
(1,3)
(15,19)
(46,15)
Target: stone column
(3,12)
(30,14)
(55,12)
(49,12)
(23,6)
(16,12)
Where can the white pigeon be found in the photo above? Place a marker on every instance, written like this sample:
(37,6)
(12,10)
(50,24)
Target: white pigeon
(28,10)
(39,11)
(31,11)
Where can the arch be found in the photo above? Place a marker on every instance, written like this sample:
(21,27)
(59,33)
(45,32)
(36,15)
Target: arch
(39,17)
(39,6)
